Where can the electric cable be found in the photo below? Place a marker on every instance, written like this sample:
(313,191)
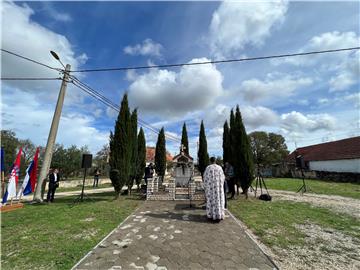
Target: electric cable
(215,61)
(29,59)
(108,103)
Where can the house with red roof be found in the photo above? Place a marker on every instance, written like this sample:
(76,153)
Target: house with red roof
(150,155)
(342,156)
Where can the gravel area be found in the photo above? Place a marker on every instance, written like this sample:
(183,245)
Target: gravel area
(324,248)
(337,204)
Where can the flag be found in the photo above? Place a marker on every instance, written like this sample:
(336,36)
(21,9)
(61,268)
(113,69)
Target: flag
(13,179)
(29,183)
(2,160)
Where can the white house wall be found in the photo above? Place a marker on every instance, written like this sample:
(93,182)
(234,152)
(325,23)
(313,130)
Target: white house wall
(341,165)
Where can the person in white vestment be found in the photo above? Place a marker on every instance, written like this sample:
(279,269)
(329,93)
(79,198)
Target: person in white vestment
(214,191)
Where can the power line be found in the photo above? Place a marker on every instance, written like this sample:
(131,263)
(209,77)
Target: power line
(113,105)
(110,104)
(29,59)
(117,108)
(29,79)
(216,61)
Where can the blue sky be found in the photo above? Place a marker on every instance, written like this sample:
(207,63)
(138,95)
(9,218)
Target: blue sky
(306,99)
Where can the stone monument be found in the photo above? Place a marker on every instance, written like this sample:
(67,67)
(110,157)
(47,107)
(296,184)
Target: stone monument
(183,168)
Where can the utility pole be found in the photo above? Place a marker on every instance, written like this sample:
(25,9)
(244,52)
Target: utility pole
(51,139)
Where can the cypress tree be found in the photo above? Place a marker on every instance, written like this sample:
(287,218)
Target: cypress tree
(160,154)
(203,156)
(120,148)
(184,139)
(134,150)
(232,138)
(141,157)
(226,143)
(243,167)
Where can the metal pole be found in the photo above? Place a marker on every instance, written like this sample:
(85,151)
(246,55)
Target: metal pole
(52,136)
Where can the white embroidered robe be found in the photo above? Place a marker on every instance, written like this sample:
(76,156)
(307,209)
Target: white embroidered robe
(214,190)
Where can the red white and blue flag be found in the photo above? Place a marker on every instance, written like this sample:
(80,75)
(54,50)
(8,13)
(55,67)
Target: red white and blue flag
(29,183)
(13,179)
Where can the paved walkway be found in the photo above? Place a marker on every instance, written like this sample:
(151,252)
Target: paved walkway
(168,235)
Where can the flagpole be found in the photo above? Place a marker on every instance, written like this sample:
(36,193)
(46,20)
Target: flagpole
(2,183)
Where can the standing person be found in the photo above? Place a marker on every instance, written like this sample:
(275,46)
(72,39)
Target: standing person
(53,185)
(149,172)
(214,190)
(229,174)
(96,177)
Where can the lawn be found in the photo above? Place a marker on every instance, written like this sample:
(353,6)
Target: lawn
(57,235)
(65,189)
(274,222)
(319,187)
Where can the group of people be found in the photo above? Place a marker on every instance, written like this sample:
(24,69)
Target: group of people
(217,181)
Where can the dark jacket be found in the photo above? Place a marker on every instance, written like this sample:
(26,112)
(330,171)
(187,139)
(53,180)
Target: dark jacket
(52,178)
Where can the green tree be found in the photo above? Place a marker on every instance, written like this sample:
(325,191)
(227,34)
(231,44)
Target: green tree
(120,148)
(226,143)
(259,142)
(68,160)
(184,139)
(141,157)
(134,152)
(11,144)
(278,148)
(232,138)
(101,159)
(243,164)
(203,156)
(160,154)
(267,148)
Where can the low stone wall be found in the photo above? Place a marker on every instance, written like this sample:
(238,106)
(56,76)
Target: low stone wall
(169,194)
(339,177)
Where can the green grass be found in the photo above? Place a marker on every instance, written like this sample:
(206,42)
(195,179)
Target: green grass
(274,222)
(319,187)
(57,235)
(66,189)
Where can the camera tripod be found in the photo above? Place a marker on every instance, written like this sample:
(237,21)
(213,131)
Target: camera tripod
(259,181)
(303,188)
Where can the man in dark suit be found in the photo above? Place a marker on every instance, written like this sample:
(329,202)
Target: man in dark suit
(53,184)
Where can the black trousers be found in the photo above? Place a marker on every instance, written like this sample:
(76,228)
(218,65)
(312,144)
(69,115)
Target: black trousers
(51,192)
(231,184)
(96,181)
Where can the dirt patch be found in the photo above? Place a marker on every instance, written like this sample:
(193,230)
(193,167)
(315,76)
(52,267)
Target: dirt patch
(337,204)
(324,248)
(88,219)
(86,234)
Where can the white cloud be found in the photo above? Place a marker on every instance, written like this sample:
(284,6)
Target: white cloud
(298,122)
(147,47)
(22,35)
(354,99)
(170,93)
(282,87)
(325,41)
(236,24)
(110,112)
(56,14)
(31,119)
(344,65)
(348,73)
(255,117)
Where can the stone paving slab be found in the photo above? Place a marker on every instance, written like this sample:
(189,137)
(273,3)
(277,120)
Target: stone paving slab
(169,235)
